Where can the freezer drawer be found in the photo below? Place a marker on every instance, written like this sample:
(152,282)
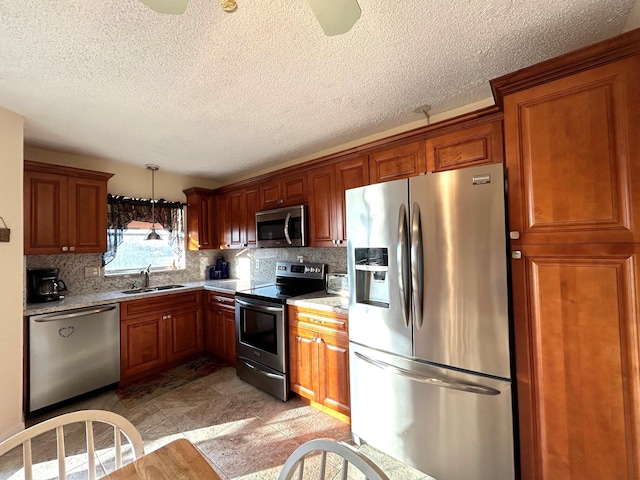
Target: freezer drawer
(72,353)
(447,424)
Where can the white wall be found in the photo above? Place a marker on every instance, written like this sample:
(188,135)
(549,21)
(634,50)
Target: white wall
(633,21)
(11,280)
(129,180)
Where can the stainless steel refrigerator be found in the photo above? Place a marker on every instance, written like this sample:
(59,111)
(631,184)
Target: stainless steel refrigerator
(429,331)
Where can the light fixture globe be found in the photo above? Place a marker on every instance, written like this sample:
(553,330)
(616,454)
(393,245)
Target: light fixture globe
(153,235)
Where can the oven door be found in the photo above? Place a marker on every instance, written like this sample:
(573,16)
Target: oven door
(260,327)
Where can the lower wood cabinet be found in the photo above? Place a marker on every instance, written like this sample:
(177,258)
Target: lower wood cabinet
(319,359)
(158,333)
(577,345)
(220,327)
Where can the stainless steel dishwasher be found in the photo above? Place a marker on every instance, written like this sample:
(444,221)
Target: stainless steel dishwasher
(71,353)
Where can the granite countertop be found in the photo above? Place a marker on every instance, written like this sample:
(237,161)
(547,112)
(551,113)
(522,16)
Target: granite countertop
(319,300)
(322,301)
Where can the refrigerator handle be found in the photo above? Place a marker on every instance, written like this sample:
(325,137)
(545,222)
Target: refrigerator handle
(403,264)
(437,382)
(417,265)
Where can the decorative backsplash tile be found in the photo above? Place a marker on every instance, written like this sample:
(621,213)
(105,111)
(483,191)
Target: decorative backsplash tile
(258,265)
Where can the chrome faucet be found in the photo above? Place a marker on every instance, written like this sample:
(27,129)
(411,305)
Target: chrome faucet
(146,275)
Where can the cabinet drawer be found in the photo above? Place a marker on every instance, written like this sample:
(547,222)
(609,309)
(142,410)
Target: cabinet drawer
(220,300)
(318,320)
(159,304)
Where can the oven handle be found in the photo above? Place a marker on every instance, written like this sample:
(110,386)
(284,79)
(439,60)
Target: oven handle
(266,374)
(260,308)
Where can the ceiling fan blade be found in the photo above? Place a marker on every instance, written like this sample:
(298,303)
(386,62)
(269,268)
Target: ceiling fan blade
(167,6)
(335,16)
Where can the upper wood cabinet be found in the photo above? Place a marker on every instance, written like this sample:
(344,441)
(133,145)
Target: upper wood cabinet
(327,184)
(282,191)
(237,217)
(65,209)
(465,146)
(201,227)
(573,158)
(398,162)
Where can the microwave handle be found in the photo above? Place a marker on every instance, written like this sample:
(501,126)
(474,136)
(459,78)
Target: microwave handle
(286,228)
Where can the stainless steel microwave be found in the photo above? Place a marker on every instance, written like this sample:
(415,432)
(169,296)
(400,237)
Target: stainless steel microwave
(282,227)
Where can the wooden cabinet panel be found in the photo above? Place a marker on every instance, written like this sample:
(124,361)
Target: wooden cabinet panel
(323,216)
(398,162)
(201,214)
(284,191)
(252,202)
(65,210)
(87,215)
(45,204)
(333,369)
(239,217)
(327,184)
(303,353)
(185,329)
(572,159)
(143,346)
(350,173)
(577,352)
(220,328)
(157,333)
(465,147)
(319,358)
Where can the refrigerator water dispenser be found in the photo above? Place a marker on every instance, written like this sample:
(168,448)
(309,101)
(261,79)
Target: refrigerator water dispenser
(372,276)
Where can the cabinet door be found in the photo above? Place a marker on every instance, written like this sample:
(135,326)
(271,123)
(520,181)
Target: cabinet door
(142,346)
(235,218)
(572,157)
(252,201)
(399,162)
(87,215)
(303,362)
(323,215)
(45,213)
(350,173)
(229,332)
(185,333)
(214,332)
(281,192)
(577,344)
(333,372)
(200,225)
(465,147)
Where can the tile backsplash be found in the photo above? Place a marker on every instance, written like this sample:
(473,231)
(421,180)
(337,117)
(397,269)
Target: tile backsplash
(258,265)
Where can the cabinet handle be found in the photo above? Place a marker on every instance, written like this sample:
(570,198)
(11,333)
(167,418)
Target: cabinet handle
(73,249)
(516,254)
(322,321)
(514,235)
(65,249)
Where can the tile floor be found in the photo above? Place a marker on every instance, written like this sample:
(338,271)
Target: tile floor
(245,433)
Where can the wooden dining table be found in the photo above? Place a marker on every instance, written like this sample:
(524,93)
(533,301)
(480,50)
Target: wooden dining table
(178,460)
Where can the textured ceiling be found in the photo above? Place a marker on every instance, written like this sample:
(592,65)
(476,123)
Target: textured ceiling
(216,94)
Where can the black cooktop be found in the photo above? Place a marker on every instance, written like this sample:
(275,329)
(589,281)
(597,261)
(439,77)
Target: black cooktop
(292,279)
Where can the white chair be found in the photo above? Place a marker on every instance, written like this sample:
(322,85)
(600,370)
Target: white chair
(119,424)
(350,456)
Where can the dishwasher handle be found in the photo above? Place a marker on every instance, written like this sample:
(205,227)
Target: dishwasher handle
(76,313)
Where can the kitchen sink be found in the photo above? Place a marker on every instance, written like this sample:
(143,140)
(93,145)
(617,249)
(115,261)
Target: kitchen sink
(152,289)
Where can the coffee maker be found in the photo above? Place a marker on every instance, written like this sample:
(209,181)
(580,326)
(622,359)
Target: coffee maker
(43,285)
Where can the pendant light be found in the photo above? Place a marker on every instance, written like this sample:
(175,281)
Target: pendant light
(153,235)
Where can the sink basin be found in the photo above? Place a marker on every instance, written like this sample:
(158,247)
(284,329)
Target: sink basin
(151,289)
